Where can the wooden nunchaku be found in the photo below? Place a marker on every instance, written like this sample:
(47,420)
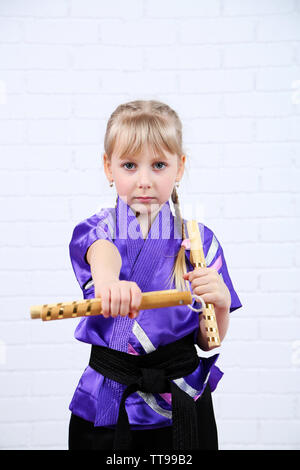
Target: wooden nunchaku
(150,300)
(198,261)
(89,307)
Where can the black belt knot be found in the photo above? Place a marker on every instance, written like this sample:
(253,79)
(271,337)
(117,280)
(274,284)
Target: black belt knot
(153,373)
(153,380)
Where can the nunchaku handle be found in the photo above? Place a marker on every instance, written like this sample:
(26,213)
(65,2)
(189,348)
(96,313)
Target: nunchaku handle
(91,307)
(198,261)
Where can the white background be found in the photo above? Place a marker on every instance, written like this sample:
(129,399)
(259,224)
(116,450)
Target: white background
(231,69)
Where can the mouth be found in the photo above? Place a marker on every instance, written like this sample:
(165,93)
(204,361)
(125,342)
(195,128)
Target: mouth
(144,198)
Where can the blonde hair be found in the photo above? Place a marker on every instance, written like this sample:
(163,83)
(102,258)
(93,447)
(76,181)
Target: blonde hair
(140,122)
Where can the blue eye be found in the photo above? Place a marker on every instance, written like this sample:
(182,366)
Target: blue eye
(156,163)
(127,164)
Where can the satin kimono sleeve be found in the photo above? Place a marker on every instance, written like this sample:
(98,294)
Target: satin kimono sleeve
(84,235)
(96,329)
(215,259)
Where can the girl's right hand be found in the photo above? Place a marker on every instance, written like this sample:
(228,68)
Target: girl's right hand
(119,298)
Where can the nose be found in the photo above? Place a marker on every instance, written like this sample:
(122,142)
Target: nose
(144,180)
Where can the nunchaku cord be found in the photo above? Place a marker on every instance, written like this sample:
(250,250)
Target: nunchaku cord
(200,301)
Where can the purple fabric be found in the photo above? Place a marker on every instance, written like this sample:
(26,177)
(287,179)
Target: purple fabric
(148,263)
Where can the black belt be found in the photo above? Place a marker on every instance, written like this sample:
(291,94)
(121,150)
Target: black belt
(153,373)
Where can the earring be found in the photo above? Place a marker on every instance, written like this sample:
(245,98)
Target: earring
(177,184)
(111,184)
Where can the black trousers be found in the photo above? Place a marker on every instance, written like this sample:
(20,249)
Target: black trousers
(83,435)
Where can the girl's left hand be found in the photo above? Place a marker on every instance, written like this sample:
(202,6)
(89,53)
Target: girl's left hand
(208,284)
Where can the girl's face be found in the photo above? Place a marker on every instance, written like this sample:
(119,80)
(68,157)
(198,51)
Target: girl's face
(144,175)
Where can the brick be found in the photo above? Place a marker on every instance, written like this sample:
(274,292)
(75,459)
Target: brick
(235,230)
(47,434)
(264,305)
(285,380)
(277,78)
(225,180)
(261,255)
(38,106)
(280,179)
(160,82)
(264,7)
(60,31)
(10,31)
(57,208)
(237,380)
(279,230)
(17,384)
(44,384)
(280,432)
(173,9)
(243,329)
(15,332)
(212,81)
(57,8)
(285,280)
(15,435)
(258,55)
(33,56)
(13,183)
(91,9)
(256,354)
(250,407)
(284,129)
(235,432)
(258,155)
(138,33)
(279,329)
(258,205)
(63,81)
(223,130)
(12,132)
(183,58)
(279,28)
(217,30)
(258,104)
(101,57)
(202,155)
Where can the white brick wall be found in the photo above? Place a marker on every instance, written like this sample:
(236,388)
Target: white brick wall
(232,71)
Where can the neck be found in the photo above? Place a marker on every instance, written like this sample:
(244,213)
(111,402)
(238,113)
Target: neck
(146,220)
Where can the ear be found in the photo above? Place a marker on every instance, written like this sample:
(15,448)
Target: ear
(107,166)
(181,166)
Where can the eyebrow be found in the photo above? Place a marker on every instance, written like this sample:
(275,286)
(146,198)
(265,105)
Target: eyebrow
(158,157)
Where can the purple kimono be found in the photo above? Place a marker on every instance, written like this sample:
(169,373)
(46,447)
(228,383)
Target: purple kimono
(149,263)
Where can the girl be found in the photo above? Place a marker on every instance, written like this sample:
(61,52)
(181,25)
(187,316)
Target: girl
(145,387)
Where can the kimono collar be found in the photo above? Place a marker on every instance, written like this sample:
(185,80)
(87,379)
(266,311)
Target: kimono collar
(164,226)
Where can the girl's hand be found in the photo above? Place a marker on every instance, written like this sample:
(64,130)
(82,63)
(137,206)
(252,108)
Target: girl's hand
(208,284)
(119,297)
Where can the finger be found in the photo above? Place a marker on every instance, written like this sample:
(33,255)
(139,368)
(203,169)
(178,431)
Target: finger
(201,290)
(205,297)
(125,300)
(200,281)
(105,302)
(209,298)
(136,299)
(115,301)
(197,272)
